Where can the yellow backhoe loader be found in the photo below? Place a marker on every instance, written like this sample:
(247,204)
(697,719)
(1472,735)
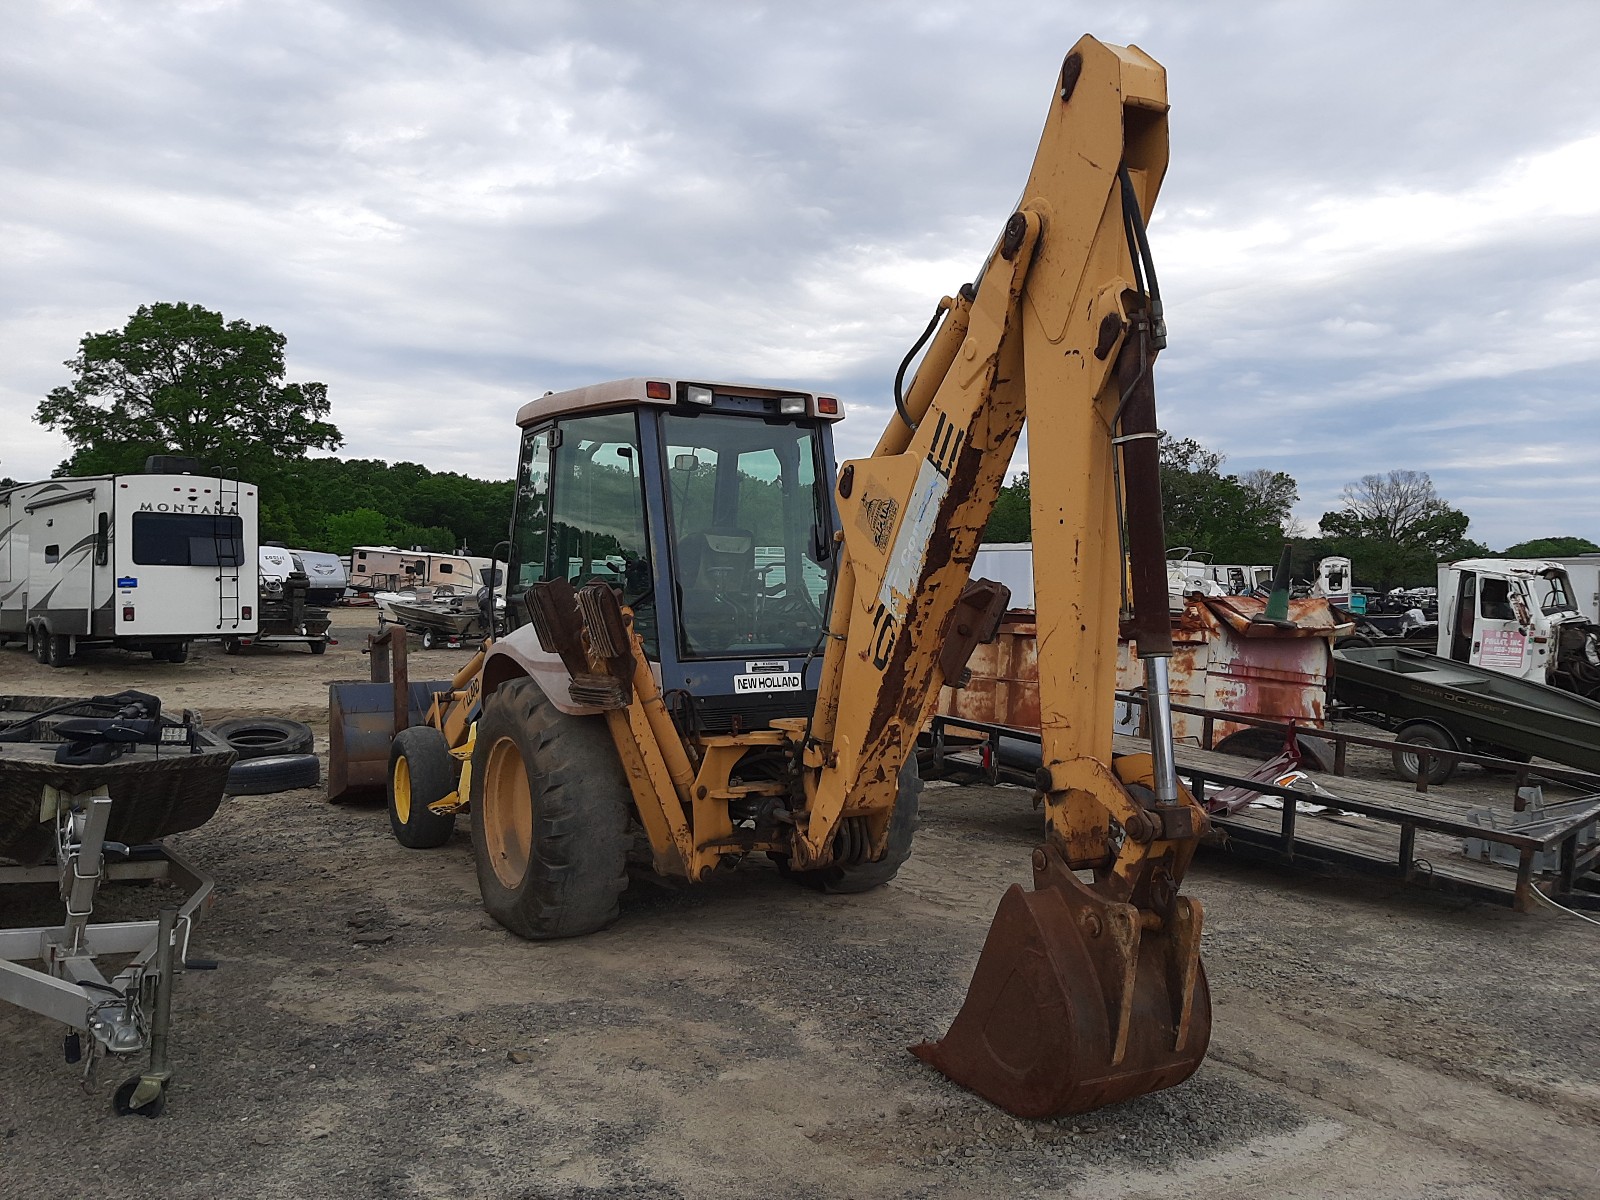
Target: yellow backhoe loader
(722,646)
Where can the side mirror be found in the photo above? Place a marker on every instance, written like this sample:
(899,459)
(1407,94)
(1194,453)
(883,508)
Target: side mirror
(684,462)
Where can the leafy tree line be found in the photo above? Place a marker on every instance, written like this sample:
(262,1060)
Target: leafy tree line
(179,379)
(1234,518)
(1394,528)
(332,504)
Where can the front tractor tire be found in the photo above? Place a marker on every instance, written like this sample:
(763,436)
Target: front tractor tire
(550,806)
(847,878)
(421,771)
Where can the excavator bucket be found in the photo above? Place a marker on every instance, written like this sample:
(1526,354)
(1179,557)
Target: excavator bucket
(1074,1004)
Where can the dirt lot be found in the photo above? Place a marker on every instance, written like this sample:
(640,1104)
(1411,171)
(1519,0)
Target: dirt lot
(371,1033)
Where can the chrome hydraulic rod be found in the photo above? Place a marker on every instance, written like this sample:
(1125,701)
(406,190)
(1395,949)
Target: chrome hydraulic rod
(1158,688)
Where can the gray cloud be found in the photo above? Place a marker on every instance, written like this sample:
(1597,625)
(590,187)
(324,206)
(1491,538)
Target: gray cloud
(1376,235)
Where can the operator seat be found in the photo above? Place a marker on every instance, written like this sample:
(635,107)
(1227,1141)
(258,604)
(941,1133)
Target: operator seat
(719,560)
(716,573)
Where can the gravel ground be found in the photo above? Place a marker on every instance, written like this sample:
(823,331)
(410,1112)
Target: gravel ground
(369,1032)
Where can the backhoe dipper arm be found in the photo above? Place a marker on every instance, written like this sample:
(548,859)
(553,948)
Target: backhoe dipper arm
(1061,332)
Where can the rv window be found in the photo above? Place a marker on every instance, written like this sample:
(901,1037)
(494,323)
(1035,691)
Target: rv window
(187,540)
(52,554)
(445,569)
(362,555)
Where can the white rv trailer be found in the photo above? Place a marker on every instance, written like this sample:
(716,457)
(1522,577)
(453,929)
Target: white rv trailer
(387,568)
(390,569)
(327,574)
(275,564)
(144,562)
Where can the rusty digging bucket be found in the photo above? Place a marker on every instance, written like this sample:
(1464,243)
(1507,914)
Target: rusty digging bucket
(1075,1005)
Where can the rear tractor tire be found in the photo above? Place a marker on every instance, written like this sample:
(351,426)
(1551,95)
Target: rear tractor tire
(850,878)
(550,805)
(420,772)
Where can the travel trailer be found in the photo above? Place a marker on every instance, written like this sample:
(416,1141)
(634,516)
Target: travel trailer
(391,569)
(326,574)
(142,562)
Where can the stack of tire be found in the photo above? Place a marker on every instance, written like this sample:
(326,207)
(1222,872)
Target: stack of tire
(274,755)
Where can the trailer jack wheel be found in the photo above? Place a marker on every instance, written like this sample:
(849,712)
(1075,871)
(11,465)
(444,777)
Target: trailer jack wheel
(140,1094)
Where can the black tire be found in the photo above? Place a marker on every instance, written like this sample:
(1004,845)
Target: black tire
(274,773)
(230,645)
(427,639)
(1424,733)
(1352,641)
(175,652)
(550,805)
(863,877)
(1263,745)
(420,772)
(318,647)
(257,737)
(41,648)
(58,650)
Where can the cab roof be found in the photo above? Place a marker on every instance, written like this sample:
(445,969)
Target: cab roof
(662,391)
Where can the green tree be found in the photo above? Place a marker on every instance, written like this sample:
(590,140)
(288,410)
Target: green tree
(1551,547)
(1396,529)
(358,527)
(1233,520)
(178,379)
(1012,518)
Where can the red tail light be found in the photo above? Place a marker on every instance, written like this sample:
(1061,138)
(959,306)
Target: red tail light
(827,405)
(244,612)
(127,613)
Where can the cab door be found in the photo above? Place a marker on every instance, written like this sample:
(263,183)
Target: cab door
(1500,628)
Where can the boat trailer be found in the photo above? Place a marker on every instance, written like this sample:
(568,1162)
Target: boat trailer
(66,766)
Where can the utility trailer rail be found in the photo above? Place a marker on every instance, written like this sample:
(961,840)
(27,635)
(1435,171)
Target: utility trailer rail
(1377,827)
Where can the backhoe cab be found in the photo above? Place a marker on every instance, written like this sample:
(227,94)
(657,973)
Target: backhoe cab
(708,508)
(722,646)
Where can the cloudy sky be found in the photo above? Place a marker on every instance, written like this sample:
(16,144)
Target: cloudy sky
(1377,241)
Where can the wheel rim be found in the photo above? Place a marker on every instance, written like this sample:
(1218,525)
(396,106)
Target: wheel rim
(507,813)
(402,790)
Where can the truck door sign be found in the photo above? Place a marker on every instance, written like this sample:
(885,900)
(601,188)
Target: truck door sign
(1503,649)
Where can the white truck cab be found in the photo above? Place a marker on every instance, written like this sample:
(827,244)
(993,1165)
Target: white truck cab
(1518,616)
(1334,582)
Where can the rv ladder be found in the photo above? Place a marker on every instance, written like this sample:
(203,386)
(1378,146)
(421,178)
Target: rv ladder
(229,550)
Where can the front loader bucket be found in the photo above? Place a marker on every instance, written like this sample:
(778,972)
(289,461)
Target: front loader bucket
(1074,1005)
(362,722)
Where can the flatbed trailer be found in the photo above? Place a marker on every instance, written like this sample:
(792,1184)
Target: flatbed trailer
(1381,828)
